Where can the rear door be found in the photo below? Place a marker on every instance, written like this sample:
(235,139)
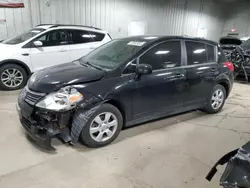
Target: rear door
(99,38)
(202,69)
(162,91)
(83,42)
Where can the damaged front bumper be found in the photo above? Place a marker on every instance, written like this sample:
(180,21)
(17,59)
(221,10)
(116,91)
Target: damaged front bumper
(39,135)
(42,126)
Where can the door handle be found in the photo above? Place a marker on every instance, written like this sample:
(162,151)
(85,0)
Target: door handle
(26,54)
(62,50)
(179,75)
(212,70)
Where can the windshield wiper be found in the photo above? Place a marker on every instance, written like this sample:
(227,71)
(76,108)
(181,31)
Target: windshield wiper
(78,61)
(94,66)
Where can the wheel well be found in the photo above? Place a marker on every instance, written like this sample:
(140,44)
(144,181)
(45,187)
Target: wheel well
(21,64)
(226,86)
(119,107)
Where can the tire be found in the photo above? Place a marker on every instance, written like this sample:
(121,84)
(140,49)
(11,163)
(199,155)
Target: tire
(88,138)
(17,82)
(210,108)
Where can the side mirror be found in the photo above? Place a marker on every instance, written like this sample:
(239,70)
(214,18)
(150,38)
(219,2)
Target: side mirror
(143,69)
(38,44)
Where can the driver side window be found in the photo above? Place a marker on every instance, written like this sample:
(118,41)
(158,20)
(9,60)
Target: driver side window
(163,56)
(54,38)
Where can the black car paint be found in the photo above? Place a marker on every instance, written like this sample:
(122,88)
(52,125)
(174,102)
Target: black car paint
(143,98)
(236,173)
(53,78)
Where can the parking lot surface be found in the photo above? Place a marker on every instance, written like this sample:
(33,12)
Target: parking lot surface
(174,152)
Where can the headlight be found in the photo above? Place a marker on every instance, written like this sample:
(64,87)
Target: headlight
(64,99)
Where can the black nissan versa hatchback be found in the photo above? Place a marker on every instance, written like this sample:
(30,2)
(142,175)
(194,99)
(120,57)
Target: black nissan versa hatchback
(122,83)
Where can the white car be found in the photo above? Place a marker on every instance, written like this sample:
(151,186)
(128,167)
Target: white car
(44,46)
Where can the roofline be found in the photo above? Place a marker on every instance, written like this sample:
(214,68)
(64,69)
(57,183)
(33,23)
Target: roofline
(68,25)
(177,37)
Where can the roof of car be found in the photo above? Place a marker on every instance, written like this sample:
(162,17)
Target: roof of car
(45,26)
(158,38)
(50,26)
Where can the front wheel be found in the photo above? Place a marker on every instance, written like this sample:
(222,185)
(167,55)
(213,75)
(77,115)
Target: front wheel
(103,127)
(12,77)
(216,100)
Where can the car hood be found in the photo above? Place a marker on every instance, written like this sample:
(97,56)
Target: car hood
(230,41)
(6,49)
(53,78)
(7,46)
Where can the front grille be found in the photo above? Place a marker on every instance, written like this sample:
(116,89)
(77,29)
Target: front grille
(32,97)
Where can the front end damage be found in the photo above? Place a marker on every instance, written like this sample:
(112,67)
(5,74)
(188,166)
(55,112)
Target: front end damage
(237,172)
(43,125)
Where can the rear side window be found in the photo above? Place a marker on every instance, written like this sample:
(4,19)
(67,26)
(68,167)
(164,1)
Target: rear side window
(199,53)
(210,53)
(97,36)
(81,37)
(196,53)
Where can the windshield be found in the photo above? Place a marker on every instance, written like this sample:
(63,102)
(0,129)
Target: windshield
(246,44)
(23,37)
(114,53)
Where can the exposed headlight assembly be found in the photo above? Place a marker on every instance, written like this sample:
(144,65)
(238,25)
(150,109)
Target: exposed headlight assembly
(62,100)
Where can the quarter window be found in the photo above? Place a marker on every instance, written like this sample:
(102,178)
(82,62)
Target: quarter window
(163,56)
(97,36)
(54,38)
(210,53)
(130,68)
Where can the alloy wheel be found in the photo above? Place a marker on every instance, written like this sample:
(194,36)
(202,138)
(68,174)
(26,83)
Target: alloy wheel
(12,77)
(217,99)
(103,127)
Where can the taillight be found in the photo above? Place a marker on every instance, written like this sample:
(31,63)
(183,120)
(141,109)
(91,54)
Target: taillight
(230,66)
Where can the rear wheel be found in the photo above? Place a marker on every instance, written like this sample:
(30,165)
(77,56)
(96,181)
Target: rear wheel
(12,77)
(216,100)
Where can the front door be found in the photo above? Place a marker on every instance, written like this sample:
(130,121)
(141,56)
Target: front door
(202,69)
(162,91)
(54,51)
